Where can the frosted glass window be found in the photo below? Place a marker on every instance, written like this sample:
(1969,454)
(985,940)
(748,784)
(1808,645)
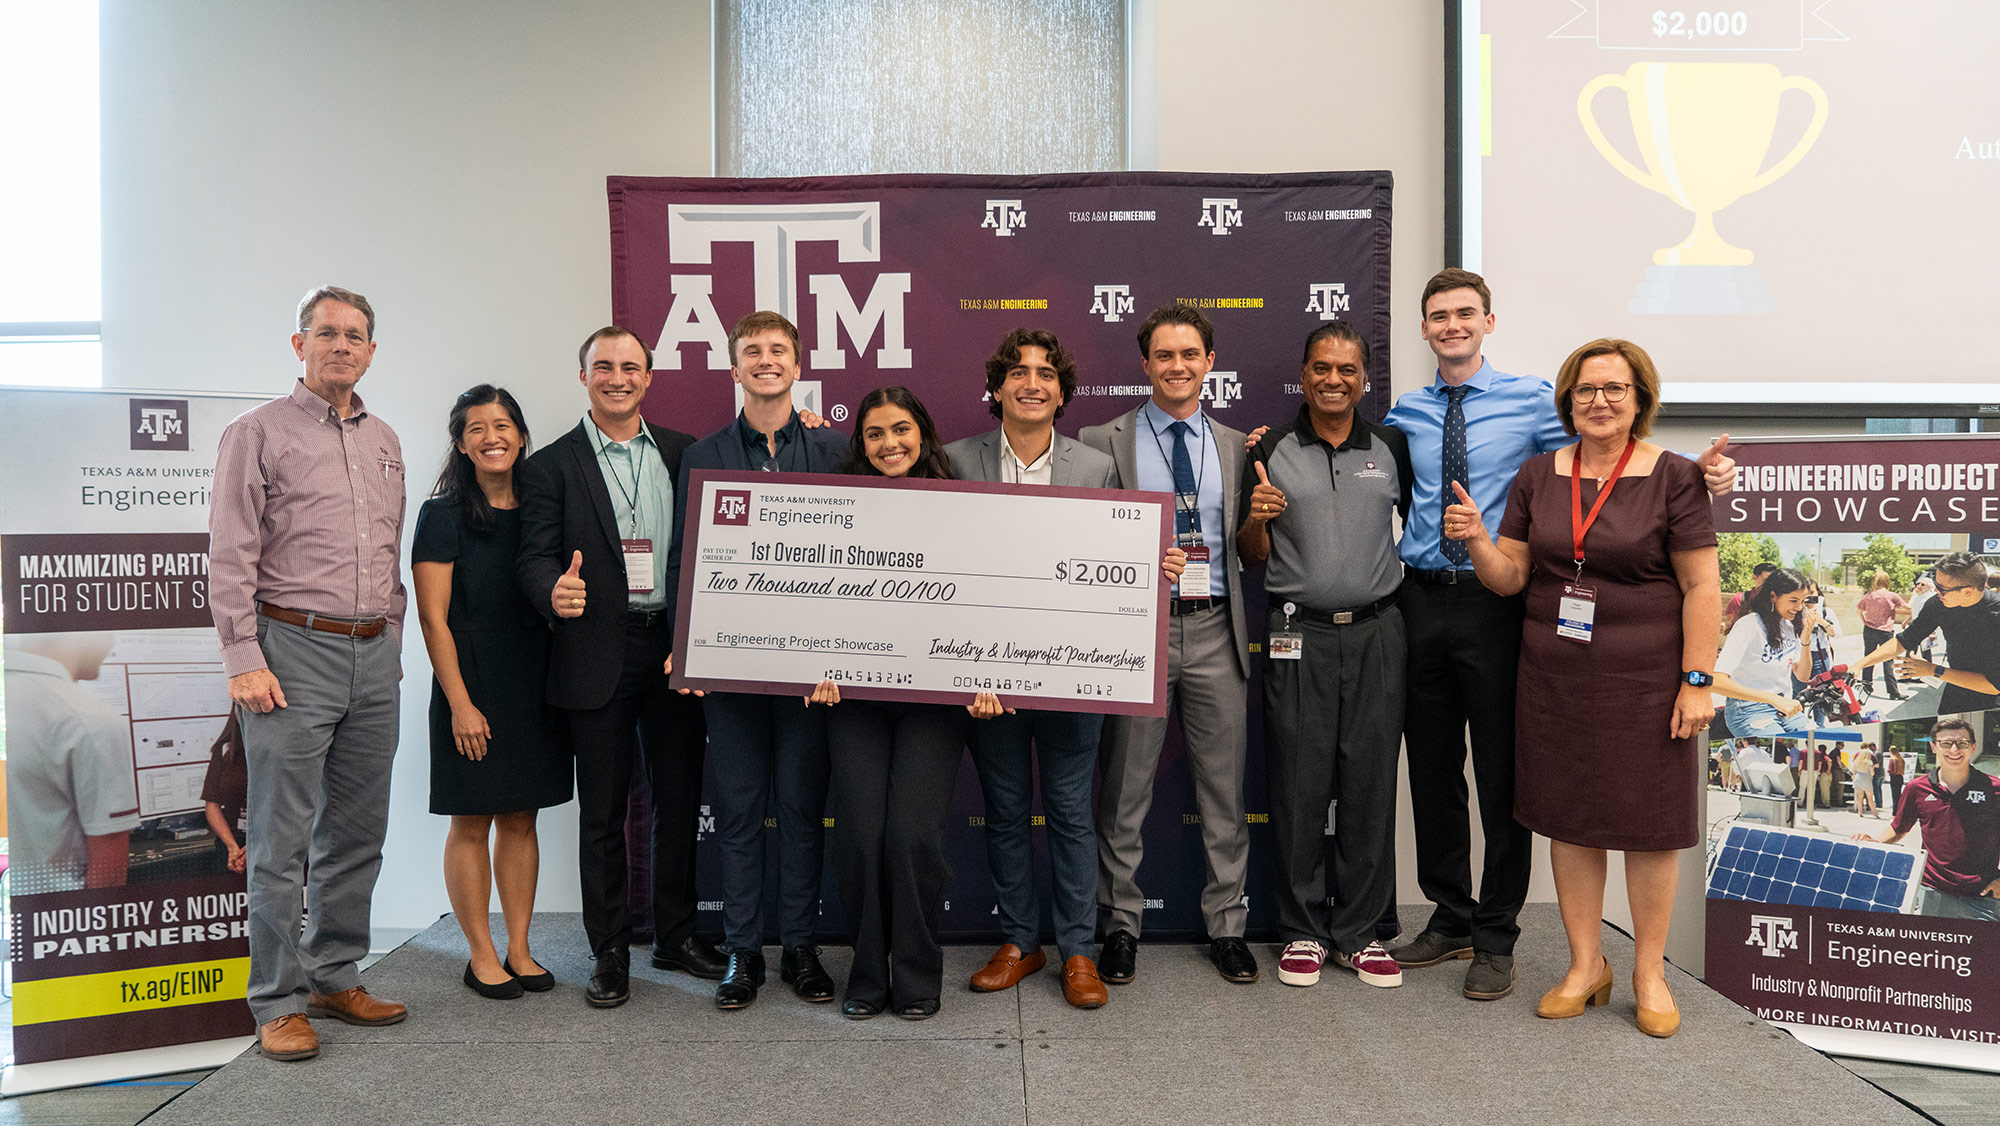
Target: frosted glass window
(50,288)
(849,87)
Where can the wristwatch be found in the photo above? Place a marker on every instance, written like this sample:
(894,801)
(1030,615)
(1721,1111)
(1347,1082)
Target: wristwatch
(1698,678)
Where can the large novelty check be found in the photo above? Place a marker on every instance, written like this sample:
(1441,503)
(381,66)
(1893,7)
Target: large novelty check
(923,590)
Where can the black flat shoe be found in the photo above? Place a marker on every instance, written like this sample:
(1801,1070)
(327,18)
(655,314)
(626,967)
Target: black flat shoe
(533,983)
(859,1010)
(800,969)
(504,991)
(919,1010)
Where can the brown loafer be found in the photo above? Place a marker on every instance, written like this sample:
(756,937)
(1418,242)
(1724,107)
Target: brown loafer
(355,1006)
(1007,969)
(1081,985)
(289,1037)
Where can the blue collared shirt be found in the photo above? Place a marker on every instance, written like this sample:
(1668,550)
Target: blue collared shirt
(1156,474)
(642,499)
(1508,419)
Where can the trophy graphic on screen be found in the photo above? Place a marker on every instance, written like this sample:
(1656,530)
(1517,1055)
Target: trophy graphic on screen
(1703,131)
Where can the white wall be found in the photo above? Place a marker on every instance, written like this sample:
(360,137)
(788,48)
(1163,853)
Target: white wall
(445,159)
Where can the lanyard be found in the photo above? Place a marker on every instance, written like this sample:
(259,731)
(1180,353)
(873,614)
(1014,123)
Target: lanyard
(1578,523)
(1200,459)
(638,471)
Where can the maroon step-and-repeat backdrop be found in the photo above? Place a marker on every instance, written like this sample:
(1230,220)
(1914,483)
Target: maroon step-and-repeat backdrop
(913,279)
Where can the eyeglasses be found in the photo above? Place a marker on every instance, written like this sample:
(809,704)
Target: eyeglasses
(1952,744)
(1612,392)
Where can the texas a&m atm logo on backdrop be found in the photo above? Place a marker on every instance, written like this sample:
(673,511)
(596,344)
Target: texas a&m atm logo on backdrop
(826,307)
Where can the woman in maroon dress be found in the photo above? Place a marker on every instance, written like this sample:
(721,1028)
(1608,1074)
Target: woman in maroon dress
(1613,541)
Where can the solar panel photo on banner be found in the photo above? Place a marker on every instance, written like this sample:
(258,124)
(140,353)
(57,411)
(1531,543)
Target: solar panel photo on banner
(1813,870)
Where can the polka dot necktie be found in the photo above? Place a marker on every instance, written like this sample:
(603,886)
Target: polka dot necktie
(1454,470)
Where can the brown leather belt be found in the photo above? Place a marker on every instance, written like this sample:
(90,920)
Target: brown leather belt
(345,627)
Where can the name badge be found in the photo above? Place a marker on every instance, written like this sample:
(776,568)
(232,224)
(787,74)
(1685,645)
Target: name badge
(1576,611)
(638,566)
(1194,579)
(1287,644)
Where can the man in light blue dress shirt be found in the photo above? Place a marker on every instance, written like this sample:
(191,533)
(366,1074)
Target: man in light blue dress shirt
(1170,445)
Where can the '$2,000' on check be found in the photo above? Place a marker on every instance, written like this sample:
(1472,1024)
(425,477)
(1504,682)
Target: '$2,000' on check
(923,590)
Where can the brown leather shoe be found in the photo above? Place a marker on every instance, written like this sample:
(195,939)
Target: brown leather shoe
(1007,969)
(355,1006)
(1081,985)
(289,1037)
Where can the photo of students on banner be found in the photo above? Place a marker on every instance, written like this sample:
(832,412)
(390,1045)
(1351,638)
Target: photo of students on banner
(1852,809)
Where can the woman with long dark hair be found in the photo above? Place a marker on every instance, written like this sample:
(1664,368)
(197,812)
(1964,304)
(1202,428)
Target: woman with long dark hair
(1764,652)
(495,754)
(894,766)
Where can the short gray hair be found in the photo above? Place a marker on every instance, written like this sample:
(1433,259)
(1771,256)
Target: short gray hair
(334,293)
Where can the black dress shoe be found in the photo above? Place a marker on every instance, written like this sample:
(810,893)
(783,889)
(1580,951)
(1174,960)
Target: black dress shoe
(692,955)
(611,982)
(854,1009)
(505,991)
(1233,959)
(919,1010)
(739,986)
(800,969)
(533,983)
(1120,960)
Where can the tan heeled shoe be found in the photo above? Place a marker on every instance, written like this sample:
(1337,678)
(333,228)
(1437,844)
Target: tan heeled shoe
(1561,1006)
(1654,1022)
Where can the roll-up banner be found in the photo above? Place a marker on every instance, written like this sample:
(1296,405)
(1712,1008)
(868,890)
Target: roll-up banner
(913,280)
(1854,824)
(127,934)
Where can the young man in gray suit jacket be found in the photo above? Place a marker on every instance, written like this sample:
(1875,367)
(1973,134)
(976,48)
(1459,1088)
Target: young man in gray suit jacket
(1029,380)
(1170,445)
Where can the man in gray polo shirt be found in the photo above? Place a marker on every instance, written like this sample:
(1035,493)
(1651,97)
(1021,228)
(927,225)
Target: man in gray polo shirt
(1333,687)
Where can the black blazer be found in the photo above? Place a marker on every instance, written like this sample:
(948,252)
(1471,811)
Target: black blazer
(826,452)
(565,507)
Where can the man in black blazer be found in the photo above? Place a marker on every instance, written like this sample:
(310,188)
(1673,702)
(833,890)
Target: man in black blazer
(764,743)
(597,537)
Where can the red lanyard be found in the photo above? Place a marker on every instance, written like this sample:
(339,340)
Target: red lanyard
(1578,522)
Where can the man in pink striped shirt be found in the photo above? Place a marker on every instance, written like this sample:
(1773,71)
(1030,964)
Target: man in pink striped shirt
(305,581)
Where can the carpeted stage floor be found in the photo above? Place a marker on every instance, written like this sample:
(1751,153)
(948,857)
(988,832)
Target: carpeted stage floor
(1180,1045)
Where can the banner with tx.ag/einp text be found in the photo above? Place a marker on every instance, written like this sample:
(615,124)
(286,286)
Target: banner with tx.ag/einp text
(124,786)
(1853,891)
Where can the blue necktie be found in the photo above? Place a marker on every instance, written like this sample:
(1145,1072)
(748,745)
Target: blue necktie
(1454,470)
(1188,494)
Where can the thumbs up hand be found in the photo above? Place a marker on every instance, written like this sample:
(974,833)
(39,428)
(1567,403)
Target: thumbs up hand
(1461,520)
(568,596)
(1267,501)
(1718,470)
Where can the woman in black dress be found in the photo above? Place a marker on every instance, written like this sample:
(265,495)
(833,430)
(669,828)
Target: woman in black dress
(894,765)
(1621,631)
(495,754)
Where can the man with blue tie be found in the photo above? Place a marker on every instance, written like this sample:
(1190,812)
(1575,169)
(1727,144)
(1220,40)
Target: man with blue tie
(1170,445)
(1473,425)
(1029,380)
